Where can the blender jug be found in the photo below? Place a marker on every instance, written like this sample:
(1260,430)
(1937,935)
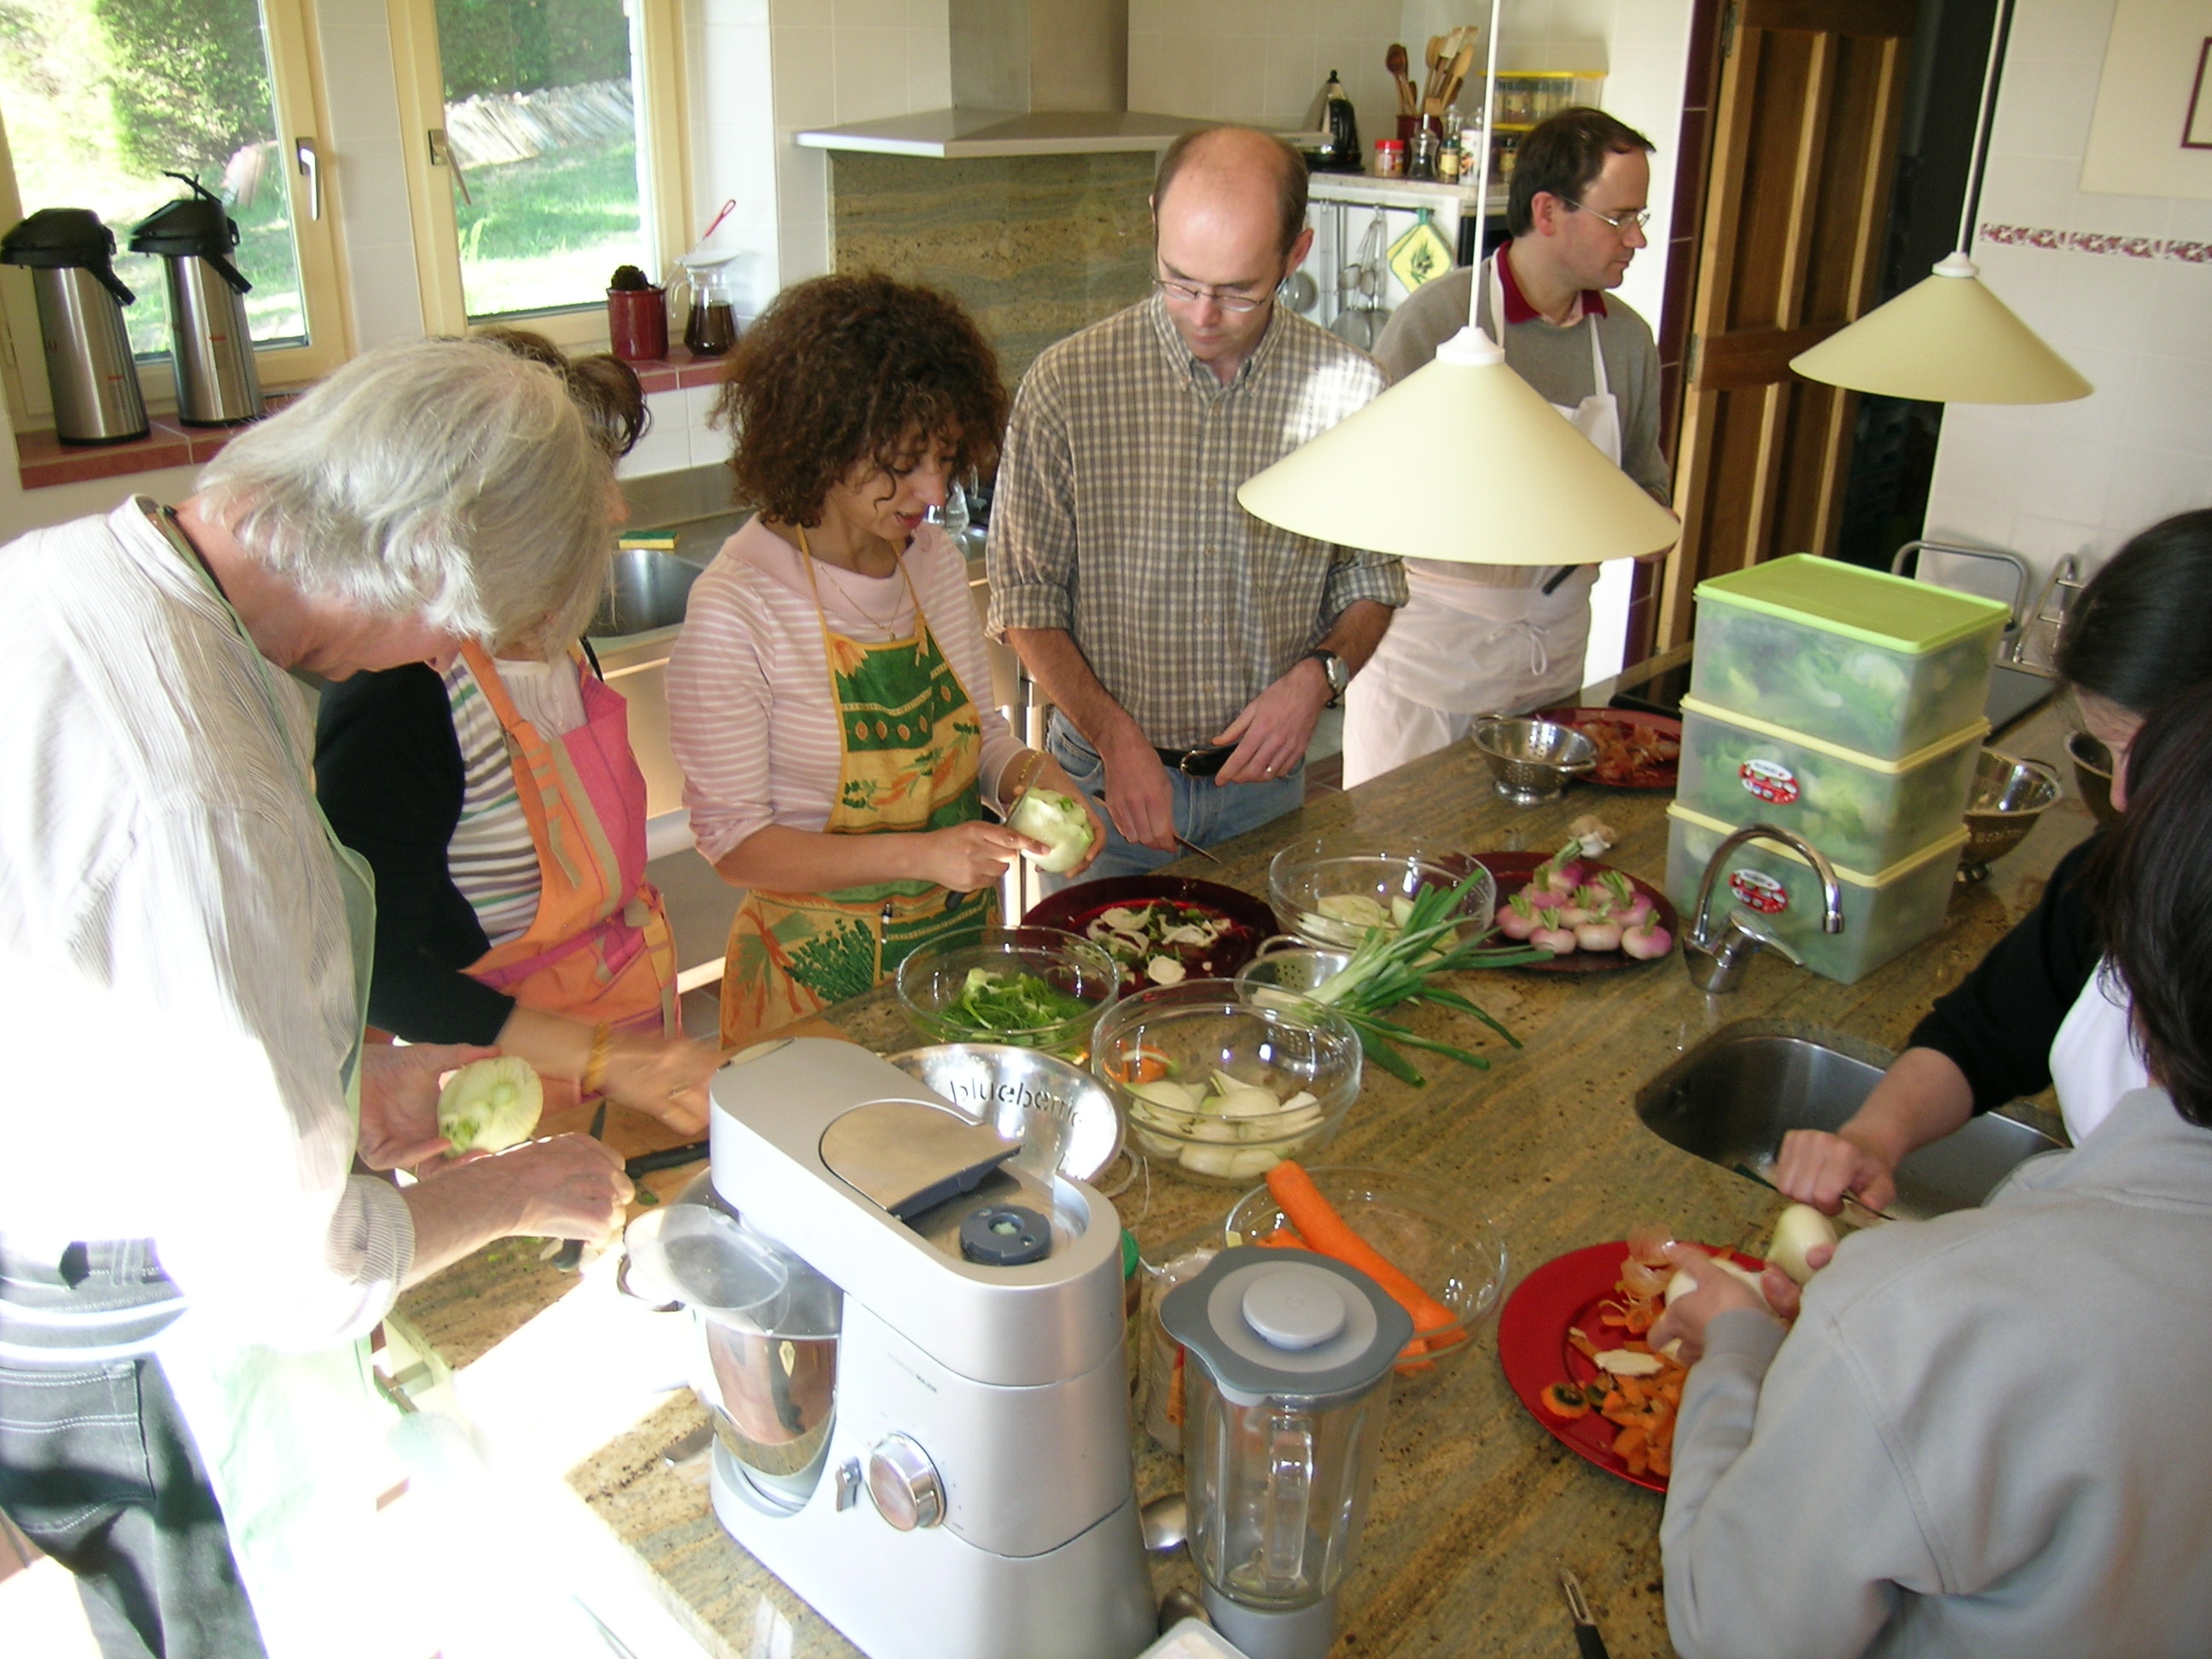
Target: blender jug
(1285,1386)
(769,1324)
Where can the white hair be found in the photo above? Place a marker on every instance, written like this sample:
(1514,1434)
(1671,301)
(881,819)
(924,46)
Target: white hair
(445,479)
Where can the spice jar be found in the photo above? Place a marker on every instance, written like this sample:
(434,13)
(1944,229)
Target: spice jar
(1389,158)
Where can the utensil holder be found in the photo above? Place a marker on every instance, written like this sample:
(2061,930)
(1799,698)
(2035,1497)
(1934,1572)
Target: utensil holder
(637,323)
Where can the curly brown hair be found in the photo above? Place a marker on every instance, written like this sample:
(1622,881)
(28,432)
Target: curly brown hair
(843,372)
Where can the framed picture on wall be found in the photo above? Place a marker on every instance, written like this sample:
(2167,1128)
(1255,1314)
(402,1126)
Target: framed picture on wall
(2152,131)
(2196,130)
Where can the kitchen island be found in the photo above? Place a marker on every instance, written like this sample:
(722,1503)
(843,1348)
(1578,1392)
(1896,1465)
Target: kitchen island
(1475,1508)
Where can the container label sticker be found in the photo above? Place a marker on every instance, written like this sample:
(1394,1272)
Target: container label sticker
(1769,780)
(1759,891)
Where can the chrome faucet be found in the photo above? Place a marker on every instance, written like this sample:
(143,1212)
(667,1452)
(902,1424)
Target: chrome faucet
(1716,963)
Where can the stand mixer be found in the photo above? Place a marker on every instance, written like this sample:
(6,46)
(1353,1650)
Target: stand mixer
(916,1373)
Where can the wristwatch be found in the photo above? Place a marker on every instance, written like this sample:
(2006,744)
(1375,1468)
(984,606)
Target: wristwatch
(1334,667)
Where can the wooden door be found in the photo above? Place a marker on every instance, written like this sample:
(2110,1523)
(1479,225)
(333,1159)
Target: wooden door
(1804,143)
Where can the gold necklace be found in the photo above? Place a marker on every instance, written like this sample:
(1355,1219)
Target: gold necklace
(888,627)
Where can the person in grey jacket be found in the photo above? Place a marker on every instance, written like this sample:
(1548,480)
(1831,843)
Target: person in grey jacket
(1979,1436)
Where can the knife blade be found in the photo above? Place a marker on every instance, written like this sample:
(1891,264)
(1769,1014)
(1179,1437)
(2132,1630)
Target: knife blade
(1586,1637)
(570,1256)
(1852,1199)
(1193,847)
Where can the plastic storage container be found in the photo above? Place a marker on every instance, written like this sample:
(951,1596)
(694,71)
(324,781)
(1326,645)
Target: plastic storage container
(1864,813)
(1883,914)
(1865,661)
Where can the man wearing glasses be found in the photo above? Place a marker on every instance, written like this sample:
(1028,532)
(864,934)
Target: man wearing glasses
(1187,646)
(1506,639)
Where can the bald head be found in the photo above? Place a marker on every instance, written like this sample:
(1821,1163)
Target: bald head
(1231,173)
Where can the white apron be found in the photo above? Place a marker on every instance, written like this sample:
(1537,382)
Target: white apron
(297,1445)
(1467,647)
(2093,1059)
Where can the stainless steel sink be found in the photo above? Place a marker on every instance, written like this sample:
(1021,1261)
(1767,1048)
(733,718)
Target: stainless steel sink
(1731,1098)
(647,591)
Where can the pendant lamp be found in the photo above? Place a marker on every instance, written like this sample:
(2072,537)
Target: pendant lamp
(1947,339)
(1463,460)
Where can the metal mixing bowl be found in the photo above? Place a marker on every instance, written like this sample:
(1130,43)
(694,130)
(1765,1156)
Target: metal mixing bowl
(1063,1117)
(2009,796)
(1531,759)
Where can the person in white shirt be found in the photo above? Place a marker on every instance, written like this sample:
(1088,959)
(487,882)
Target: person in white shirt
(214,1262)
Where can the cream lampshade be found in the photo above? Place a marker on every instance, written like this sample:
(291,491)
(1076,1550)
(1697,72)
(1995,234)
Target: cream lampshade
(1462,460)
(1946,339)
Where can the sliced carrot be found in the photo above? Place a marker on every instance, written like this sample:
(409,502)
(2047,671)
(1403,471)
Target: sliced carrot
(1143,1067)
(1564,1400)
(1174,1390)
(1327,1232)
(1582,1344)
(1630,1439)
(1283,1238)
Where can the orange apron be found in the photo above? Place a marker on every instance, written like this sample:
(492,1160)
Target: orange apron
(599,949)
(911,745)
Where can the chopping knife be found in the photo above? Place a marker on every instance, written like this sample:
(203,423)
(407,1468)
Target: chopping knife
(1586,1637)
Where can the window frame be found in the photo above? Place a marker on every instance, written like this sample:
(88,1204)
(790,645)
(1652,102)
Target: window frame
(659,62)
(296,83)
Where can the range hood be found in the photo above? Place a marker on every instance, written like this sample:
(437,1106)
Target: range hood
(1030,77)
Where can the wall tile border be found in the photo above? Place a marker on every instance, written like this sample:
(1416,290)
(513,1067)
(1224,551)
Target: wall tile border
(2091,241)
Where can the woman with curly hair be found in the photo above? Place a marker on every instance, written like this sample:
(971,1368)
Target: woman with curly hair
(821,699)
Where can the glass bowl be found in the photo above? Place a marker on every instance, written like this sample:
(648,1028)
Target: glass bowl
(1305,873)
(1427,1230)
(1182,1035)
(930,982)
(1286,970)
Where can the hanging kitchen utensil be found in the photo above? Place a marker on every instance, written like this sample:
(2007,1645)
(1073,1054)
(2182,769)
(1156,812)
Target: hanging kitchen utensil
(1299,292)
(1421,255)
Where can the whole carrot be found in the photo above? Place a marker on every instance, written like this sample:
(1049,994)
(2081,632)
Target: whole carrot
(1328,1232)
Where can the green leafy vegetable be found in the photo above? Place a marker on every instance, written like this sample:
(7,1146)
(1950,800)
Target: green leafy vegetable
(1004,1007)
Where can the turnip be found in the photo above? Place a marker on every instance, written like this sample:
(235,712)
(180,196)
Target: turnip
(1541,896)
(489,1105)
(1057,820)
(1646,941)
(1637,912)
(1599,934)
(1519,917)
(1559,941)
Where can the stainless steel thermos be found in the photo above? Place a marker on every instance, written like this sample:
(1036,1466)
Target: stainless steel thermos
(209,340)
(89,368)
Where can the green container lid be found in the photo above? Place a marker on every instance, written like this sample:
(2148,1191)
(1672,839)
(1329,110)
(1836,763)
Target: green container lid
(1894,612)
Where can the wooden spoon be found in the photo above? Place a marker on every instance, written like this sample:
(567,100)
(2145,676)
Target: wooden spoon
(1396,61)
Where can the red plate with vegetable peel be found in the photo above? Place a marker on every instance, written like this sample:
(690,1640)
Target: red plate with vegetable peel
(1570,1293)
(1511,871)
(1236,921)
(1635,750)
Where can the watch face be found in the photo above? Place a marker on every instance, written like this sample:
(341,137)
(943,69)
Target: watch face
(1332,666)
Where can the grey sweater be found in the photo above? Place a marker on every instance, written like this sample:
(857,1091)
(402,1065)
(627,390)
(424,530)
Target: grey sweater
(1985,1435)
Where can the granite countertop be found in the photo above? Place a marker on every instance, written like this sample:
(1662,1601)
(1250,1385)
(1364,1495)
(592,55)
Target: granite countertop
(1475,1507)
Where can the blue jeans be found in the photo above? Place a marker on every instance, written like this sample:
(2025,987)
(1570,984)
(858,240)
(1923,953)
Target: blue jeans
(1206,813)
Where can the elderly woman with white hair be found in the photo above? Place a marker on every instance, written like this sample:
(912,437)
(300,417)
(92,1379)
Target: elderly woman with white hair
(182,1325)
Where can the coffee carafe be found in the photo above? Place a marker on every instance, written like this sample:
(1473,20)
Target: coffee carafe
(1286,1383)
(89,365)
(711,327)
(209,340)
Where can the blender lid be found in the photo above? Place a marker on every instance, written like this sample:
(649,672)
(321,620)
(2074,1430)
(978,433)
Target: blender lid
(1287,1324)
(53,238)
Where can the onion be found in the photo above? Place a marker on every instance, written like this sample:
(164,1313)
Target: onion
(1681,1284)
(1648,1242)
(1797,1231)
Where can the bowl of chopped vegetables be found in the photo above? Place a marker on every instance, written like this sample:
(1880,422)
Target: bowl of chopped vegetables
(1035,987)
(1220,1089)
(1333,893)
(1429,1235)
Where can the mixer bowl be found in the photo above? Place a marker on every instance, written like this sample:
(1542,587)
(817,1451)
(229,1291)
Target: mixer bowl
(2009,796)
(1063,1117)
(1532,760)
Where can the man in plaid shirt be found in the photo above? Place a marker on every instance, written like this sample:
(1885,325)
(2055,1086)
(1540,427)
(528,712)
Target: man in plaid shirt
(1188,646)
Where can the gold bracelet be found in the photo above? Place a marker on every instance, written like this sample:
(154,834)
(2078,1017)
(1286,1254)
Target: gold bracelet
(595,1068)
(1037,760)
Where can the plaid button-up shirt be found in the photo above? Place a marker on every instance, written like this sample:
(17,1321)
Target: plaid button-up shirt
(1116,516)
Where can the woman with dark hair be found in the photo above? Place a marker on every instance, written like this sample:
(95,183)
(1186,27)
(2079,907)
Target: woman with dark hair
(823,698)
(503,813)
(1977,1438)
(2034,1011)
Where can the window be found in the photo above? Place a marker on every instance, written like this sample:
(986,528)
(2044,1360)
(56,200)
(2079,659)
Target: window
(102,99)
(538,169)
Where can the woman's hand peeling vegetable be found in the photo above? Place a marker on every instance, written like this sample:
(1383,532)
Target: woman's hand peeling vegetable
(1060,821)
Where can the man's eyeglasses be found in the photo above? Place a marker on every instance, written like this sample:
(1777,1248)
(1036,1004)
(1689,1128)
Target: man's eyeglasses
(1238,303)
(1622,223)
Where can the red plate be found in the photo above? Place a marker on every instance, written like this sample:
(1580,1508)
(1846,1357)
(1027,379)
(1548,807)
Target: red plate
(1075,909)
(1511,871)
(1533,1349)
(1643,777)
